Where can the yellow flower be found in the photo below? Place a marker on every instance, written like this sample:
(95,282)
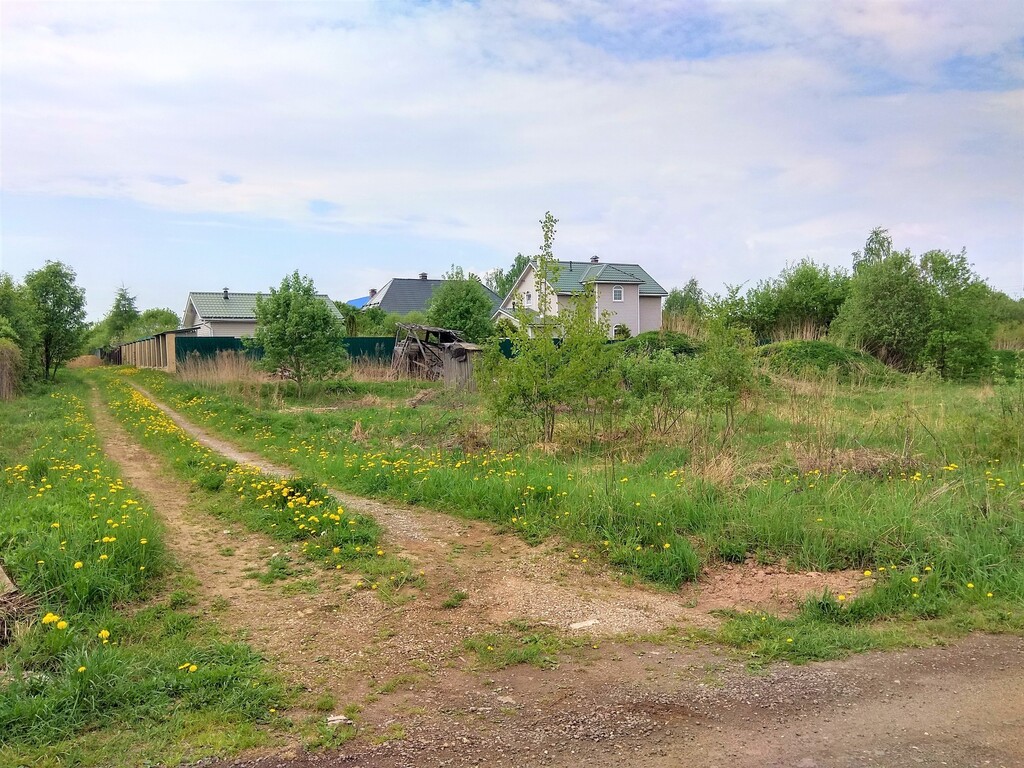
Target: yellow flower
(143,541)
(103,557)
(81,669)
(970,585)
(914,579)
(103,634)
(78,564)
(192,667)
(867,573)
(666,545)
(840,598)
(62,624)
(789,639)
(50,618)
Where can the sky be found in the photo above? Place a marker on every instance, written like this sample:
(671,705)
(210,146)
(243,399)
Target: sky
(192,146)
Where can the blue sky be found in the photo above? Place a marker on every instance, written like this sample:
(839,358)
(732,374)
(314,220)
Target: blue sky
(193,146)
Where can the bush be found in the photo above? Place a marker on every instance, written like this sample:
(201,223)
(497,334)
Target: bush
(799,358)
(649,344)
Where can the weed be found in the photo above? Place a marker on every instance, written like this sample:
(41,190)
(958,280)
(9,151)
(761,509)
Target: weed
(455,599)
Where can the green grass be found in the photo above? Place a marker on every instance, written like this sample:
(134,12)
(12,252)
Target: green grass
(102,673)
(519,643)
(821,474)
(454,600)
(295,509)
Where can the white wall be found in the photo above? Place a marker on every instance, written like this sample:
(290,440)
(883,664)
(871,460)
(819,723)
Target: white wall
(650,313)
(625,312)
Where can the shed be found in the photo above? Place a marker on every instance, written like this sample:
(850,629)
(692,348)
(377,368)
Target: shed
(457,365)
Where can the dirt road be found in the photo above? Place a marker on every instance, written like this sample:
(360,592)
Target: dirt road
(613,700)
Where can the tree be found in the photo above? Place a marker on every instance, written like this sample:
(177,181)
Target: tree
(122,315)
(560,359)
(462,304)
(687,301)
(961,323)
(802,301)
(60,310)
(502,281)
(18,316)
(298,332)
(151,322)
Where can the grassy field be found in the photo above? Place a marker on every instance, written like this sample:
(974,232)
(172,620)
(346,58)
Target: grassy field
(106,665)
(918,481)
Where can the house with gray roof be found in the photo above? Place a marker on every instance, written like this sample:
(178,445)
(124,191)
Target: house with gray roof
(229,314)
(402,295)
(625,293)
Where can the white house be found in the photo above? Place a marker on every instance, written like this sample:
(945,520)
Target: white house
(628,295)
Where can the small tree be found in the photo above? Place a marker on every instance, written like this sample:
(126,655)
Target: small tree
(462,304)
(22,325)
(60,312)
(502,281)
(298,332)
(560,362)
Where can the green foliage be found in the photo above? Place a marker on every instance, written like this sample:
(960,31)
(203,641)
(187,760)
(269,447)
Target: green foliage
(689,300)
(662,390)
(122,315)
(298,332)
(20,324)
(726,367)
(545,376)
(462,303)
(818,358)
(60,312)
(887,313)
(802,302)
(502,281)
(650,343)
(930,312)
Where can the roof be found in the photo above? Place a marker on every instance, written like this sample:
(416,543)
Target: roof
(573,275)
(403,295)
(358,303)
(238,306)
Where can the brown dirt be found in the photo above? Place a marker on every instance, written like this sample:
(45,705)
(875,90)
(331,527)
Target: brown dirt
(85,361)
(614,700)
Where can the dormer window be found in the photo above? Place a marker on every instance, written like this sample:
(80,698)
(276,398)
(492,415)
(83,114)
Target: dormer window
(617,293)
(528,299)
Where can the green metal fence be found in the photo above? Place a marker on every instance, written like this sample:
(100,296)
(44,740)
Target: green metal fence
(362,347)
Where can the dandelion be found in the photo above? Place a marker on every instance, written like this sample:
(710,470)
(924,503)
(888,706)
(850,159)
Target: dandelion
(789,639)
(81,670)
(104,557)
(970,585)
(914,579)
(915,595)
(51,618)
(840,598)
(192,667)
(666,545)
(78,564)
(103,635)
(867,573)
(62,624)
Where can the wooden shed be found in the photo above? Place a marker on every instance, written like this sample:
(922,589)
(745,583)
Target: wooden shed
(457,370)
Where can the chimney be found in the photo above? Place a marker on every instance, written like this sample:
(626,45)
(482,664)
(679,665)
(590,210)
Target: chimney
(423,275)
(373,292)
(593,259)
(225,294)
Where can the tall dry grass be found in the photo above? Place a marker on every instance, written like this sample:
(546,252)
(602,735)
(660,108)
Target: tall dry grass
(370,369)
(805,331)
(1009,336)
(234,372)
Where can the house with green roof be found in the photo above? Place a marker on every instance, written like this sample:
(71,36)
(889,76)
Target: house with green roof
(229,314)
(625,293)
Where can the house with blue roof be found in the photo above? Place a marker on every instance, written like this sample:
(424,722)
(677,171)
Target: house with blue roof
(624,292)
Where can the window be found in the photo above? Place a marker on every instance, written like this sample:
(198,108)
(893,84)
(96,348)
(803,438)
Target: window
(617,293)
(528,300)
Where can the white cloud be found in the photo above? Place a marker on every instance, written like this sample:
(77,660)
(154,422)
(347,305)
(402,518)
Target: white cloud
(784,137)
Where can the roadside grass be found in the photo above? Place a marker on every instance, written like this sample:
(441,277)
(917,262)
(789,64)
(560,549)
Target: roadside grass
(107,669)
(520,642)
(817,475)
(292,510)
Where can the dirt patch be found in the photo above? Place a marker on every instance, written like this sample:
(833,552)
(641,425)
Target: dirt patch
(751,587)
(86,361)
